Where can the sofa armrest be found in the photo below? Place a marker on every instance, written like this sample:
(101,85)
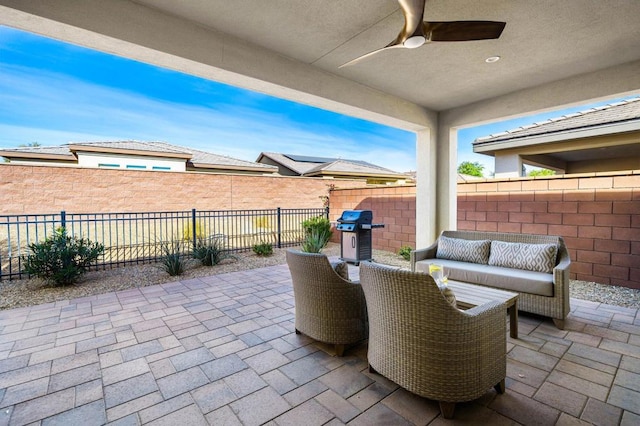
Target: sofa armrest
(561,282)
(421,254)
(561,270)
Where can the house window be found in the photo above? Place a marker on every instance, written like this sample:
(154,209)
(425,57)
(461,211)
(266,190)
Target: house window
(135,166)
(108,165)
(161,168)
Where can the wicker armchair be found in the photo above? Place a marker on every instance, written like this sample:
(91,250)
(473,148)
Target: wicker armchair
(328,307)
(427,346)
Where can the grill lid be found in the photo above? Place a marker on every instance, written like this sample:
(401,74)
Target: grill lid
(356,216)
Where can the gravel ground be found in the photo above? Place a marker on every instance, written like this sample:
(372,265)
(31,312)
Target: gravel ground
(19,293)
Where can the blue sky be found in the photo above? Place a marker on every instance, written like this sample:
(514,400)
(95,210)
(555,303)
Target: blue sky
(54,93)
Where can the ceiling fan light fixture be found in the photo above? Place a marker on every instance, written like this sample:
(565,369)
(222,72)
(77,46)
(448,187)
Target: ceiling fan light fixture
(414,41)
(417,32)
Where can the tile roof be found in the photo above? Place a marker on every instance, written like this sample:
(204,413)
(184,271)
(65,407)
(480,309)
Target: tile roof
(32,151)
(341,165)
(131,145)
(204,159)
(331,165)
(608,114)
(298,167)
(199,159)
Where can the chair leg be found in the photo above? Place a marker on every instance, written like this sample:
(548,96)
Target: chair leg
(500,387)
(447,409)
(559,323)
(298,331)
(340,350)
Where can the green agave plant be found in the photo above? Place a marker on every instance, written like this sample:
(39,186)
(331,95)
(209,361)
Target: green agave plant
(316,240)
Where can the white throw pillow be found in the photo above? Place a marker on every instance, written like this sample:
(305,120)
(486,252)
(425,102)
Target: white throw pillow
(474,251)
(530,257)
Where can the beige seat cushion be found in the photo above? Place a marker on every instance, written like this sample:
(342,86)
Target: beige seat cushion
(517,280)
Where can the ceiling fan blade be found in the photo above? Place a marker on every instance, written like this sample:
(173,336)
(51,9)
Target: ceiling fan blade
(463,30)
(416,31)
(367,55)
(413,11)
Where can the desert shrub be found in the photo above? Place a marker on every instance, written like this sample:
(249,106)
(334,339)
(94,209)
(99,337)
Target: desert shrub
(172,260)
(187,231)
(61,259)
(210,251)
(263,249)
(405,252)
(262,222)
(317,233)
(320,223)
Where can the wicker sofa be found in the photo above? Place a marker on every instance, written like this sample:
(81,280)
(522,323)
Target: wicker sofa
(543,292)
(328,307)
(421,342)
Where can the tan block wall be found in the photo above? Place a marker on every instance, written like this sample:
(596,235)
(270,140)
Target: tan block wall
(42,189)
(598,215)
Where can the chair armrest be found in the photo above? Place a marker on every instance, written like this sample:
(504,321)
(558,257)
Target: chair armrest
(485,332)
(421,254)
(488,309)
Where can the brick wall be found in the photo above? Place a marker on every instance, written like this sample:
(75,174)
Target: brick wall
(42,189)
(395,206)
(597,214)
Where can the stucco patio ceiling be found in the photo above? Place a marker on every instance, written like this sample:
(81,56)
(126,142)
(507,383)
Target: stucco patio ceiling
(553,54)
(543,41)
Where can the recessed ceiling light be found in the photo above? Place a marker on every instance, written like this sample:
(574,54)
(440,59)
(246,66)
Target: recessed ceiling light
(492,59)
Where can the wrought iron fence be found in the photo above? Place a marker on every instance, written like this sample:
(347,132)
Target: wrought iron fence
(131,238)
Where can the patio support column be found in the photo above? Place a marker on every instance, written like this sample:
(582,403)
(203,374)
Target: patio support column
(426,186)
(508,165)
(446,179)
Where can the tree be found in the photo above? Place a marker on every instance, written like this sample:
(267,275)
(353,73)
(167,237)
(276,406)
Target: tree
(471,169)
(541,172)
(30,144)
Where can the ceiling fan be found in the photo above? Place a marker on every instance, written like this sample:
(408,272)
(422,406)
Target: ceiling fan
(417,31)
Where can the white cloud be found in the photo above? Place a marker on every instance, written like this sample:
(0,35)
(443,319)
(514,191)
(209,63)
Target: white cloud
(49,108)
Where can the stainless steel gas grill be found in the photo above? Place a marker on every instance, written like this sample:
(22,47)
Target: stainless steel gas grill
(355,237)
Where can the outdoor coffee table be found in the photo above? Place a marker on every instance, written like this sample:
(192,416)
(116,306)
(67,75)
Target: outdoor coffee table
(470,295)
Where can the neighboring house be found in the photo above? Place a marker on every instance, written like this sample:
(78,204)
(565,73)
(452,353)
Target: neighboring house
(600,139)
(333,168)
(133,155)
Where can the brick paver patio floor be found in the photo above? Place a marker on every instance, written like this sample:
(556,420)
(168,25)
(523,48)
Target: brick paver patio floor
(222,350)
